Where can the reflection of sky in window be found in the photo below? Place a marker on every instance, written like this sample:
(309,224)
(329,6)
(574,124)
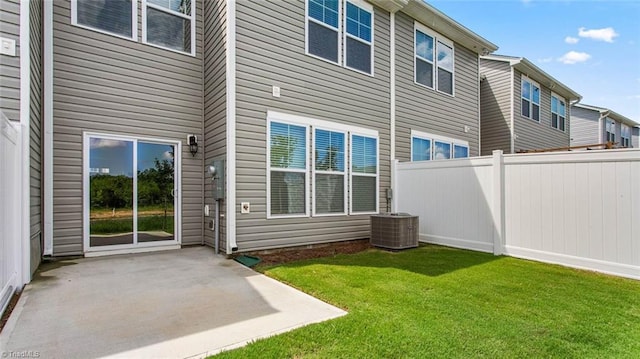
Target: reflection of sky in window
(445,57)
(536,94)
(554,104)
(526,89)
(421,149)
(168,30)
(460,151)
(364,154)
(424,45)
(325,11)
(116,155)
(149,152)
(441,150)
(288,144)
(181,6)
(329,150)
(358,22)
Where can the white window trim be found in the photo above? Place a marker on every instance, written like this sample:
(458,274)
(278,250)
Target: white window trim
(134,21)
(312,124)
(344,173)
(126,248)
(558,98)
(434,70)
(624,138)
(191,18)
(308,18)
(376,175)
(533,83)
(306,171)
(369,8)
(607,132)
(429,136)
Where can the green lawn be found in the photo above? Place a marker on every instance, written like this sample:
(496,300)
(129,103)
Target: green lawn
(438,302)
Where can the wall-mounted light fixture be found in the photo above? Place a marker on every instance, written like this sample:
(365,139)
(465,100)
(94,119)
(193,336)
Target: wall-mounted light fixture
(192,140)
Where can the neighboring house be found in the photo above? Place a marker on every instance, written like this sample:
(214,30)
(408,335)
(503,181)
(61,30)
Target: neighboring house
(591,125)
(307,103)
(635,137)
(522,107)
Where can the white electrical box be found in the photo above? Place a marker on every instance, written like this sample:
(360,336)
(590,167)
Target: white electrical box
(7,46)
(275,91)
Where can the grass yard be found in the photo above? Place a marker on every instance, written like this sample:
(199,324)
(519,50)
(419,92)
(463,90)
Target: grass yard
(438,302)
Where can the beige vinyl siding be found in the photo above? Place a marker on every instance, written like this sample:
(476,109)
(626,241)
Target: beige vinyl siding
(271,51)
(495,106)
(584,127)
(215,23)
(35,131)
(530,134)
(10,65)
(106,84)
(423,109)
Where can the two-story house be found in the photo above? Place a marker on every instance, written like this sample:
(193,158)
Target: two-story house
(302,106)
(522,107)
(593,125)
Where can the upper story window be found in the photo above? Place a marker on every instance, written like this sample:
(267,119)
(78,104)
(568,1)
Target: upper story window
(625,136)
(434,60)
(530,92)
(114,17)
(340,177)
(341,31)
(610,130)
(169,24)
(558,112)
(426,146)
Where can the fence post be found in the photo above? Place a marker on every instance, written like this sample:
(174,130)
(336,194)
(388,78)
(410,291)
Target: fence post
(497,205)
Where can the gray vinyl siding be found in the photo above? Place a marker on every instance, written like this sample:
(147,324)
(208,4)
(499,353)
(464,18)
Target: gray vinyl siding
(271,51)
(35,133)
(584,127)
(530,134)
(635,137)
(495,106)
(215,25)
(106,84)
(10,65)
(423,109)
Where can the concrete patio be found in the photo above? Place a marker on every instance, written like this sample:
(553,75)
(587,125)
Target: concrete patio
(174,304)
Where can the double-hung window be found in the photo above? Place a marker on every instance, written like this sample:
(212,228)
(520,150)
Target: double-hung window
(434,60)
(558,112)
(115,17)
(169,24)
(530,92)
(341,31)
(333,165)
(610,130)
(426,146)
(625,135)
(364,174)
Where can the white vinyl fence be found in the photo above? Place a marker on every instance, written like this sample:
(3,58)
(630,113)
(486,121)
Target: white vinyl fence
(579,209)
(10,250)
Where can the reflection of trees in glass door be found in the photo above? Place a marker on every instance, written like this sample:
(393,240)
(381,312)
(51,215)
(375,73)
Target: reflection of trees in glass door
(128,207)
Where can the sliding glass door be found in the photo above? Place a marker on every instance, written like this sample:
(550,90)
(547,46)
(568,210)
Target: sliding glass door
(130,190)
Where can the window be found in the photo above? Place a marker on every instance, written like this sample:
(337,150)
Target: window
(425,146)
(364,174)
(288,169)
(330,179)
(434,60)
(337,29)
(625,135)
(558,112)
(610,129)
(115,17)
(530,99)
(169,24)
(340,177)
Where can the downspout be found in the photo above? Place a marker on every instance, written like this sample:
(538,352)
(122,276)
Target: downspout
(479,82)
(204,142)
(230,48)
(512,112)
(47,125)
(392,101)
(25,120)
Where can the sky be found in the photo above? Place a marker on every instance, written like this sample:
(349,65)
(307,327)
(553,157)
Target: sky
(593,47)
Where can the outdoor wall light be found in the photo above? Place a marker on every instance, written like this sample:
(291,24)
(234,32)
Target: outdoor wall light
(192,140)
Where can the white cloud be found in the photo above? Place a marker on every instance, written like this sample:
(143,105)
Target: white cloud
(106,143)
(545,60)
(574,57)
(167,155)
(606,34)
(636,97)
(571,40)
